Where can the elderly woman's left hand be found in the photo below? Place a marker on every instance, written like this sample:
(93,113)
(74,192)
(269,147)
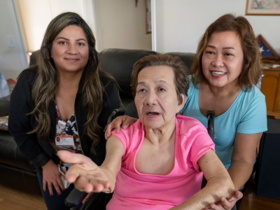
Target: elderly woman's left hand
(226,204)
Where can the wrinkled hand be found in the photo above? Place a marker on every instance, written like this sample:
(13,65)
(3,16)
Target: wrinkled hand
(121,121)
(226,204)
(51,177)
(84,173)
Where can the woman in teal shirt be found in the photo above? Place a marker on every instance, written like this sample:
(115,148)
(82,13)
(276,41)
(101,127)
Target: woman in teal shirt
(223,78)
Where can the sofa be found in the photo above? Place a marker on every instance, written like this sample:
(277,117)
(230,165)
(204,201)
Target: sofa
(16,171)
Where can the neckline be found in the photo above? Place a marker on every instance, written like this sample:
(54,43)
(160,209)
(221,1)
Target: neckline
(233,103)
(142,139)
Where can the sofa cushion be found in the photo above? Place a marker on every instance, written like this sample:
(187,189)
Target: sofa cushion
(119,63)
(10,154)
(187,58)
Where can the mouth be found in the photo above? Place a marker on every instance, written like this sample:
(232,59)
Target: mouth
(152,113)
(71,59)
(218,73)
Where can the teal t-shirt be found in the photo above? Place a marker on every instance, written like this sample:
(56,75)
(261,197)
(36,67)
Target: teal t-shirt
(247,115)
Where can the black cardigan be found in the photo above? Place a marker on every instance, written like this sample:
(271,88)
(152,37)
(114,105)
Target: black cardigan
(38,151)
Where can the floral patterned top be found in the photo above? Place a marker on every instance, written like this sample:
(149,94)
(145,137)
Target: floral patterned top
(67,129)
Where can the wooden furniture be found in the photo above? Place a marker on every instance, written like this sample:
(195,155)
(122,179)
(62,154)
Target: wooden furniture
(251,201)
(270,87)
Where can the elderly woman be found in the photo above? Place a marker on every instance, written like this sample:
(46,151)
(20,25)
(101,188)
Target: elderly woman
(223,78)
(159,161)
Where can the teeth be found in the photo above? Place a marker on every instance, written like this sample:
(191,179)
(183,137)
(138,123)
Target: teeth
(218,73)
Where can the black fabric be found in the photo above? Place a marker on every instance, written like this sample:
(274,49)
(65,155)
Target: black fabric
(39,151)
(268,170)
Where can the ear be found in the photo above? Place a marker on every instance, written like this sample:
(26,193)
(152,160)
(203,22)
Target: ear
(181,105)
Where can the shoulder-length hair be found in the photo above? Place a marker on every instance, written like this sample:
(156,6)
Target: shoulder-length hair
(46,82)
(251,69)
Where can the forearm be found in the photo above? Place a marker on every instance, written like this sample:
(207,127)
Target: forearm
(240,172)
(211,193)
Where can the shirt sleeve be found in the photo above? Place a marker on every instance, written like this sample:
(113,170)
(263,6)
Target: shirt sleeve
(201,145)
(20,122)
(255,118)
(197,143)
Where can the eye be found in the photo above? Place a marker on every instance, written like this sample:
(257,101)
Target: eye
(161,89)
(209,52)
(62,42)
(228,54)
(142,90)
(81,44)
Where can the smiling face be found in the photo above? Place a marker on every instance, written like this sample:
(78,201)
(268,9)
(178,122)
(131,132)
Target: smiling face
(222,59)
(70,51)
(156,98)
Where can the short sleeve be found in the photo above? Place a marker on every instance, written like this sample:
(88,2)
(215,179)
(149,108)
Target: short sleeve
(201,145)
(255,118)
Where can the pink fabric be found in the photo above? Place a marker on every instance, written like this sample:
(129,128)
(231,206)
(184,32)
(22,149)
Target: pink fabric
(137,191)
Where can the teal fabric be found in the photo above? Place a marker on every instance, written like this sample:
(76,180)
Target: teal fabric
(247,115)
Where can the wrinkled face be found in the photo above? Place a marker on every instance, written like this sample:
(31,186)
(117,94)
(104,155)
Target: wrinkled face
(222,59)
(156,98)
(70,51)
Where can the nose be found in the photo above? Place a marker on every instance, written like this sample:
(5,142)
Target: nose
(151,98)
(72,49)
(218,61)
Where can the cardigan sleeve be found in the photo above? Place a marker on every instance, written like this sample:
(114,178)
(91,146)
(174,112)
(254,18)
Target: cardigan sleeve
(21,121)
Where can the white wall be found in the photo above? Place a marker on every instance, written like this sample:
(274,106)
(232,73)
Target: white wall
(36,15)
(115,23)
(12,59)
(122,25)
(180,23)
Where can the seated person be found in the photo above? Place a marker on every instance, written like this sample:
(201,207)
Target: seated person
(159,161)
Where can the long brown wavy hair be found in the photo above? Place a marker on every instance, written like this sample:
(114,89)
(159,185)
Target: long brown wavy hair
(251,69)
(46,82)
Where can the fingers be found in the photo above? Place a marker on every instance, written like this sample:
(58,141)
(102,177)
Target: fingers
(50,188)
(116,123)
(44,185)
(56,187)
(109,129)
(73,158)
(128,121)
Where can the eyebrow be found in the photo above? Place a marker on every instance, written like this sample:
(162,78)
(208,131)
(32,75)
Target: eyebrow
(81,39)
(157,81)
(231,48)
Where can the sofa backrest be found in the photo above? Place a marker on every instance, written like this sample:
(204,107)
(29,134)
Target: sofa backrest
(119,63)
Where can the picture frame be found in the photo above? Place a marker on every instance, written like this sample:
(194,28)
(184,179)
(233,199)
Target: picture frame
(262,7)
(148,16)
(268,54)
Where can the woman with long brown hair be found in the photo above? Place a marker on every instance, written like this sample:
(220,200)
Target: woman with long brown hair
(62,103)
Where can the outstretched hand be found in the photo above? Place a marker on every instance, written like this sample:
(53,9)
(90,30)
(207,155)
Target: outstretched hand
(84,173)
(226,204)
(121,121)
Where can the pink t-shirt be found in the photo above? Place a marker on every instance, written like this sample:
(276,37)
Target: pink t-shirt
(137,191)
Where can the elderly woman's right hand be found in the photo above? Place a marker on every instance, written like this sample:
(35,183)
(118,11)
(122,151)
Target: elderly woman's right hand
(121,121)
(84,173)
